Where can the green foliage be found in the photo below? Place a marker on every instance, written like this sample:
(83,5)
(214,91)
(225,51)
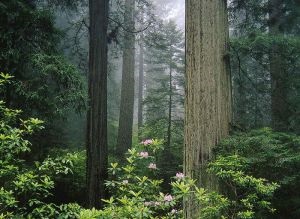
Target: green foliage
(271,155)
(170,160)
(165,60)
(250,197)
(65,211)
(24,31)
(250,68)
(253,47)
(158,129)
(24,188)
(136,190)
(163,103)
(135,185)
(257,18)
(45,84)
(73,186)
(53,86)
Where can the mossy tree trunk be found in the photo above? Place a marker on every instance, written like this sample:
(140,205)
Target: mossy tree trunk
(208,91)
(97,111)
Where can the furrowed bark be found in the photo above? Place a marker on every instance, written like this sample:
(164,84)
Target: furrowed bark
(208,91)
(97,162)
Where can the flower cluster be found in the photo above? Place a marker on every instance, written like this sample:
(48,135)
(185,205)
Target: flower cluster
(152,166)
(147,142)
(168,198)
(179,176)
(144,154)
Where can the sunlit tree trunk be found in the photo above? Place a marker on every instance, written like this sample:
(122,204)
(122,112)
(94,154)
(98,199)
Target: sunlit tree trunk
(208,91)
(279,106)
(97,112)
(127,91)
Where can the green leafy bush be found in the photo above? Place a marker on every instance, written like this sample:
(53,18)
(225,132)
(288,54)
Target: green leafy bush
(250,197)
(136,190)
(271,155)
(73,186)
(25,188)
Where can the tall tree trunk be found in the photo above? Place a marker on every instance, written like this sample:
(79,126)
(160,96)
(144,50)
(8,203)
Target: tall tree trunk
(97,113)
(279,106)
(167,159)
(170,110)
(141,84)
(208,91)
(127,91)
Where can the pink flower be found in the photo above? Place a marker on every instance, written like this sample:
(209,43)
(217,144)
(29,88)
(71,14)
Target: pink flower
(147,142)
(152,166)
(144,154)
(179,176)
(168,198)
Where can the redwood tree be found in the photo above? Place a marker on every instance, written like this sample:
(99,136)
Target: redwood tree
(208,91)
(127,91)
(97,112)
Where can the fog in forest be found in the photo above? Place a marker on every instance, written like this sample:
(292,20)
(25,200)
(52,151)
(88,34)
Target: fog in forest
(149,109)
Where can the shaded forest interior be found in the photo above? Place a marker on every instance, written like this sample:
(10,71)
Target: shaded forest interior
(150,109)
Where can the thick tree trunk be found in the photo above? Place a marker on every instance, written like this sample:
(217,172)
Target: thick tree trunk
(141,84)
(279,106)
(208,91)
(127,91)
(97,112)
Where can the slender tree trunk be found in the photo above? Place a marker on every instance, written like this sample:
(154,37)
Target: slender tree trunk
(240,97)
(170,110)
(97,112)
(279,106)
(141,84)
(208,91)
(127,91)
(167,160)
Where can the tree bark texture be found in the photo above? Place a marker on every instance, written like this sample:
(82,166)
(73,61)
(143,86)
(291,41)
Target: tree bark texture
(97,112)
(208,91)
(127,91)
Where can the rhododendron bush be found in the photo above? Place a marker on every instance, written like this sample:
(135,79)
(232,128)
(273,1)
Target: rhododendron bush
(137,191)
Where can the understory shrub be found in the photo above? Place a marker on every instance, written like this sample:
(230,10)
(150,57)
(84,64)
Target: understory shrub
(274,156)
(25,187)
(136,189)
